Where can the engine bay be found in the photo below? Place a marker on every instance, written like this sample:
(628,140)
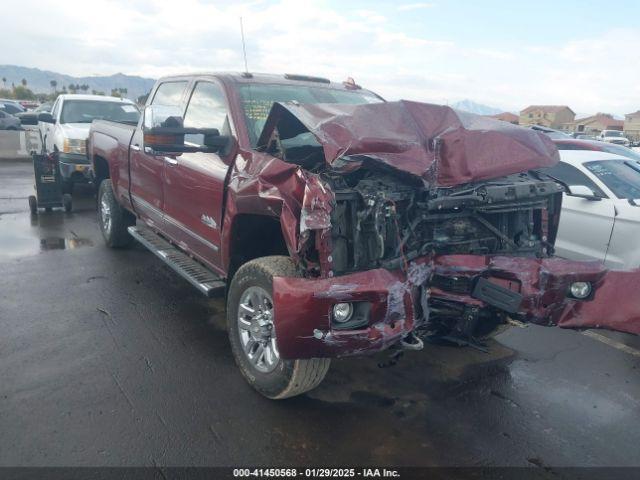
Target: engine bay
(380,220)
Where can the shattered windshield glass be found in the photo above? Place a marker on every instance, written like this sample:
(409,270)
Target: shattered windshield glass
(257,100)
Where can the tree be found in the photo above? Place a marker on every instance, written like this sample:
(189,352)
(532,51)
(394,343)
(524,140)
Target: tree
(4,82)
(23,82)
(23,93)
(72,88)
(84,87)
(53,84)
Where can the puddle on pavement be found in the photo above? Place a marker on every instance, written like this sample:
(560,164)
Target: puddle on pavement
(22,235)
(58,243)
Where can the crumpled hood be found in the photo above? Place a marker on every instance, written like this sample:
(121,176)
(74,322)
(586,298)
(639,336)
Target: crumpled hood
(78,131)
(442,145)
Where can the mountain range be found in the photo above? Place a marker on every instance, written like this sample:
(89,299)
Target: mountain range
(477,108)
(39,81)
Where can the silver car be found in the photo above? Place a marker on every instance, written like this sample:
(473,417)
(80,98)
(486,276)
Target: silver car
(8,122)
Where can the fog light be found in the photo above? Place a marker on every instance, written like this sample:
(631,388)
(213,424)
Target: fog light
(580,289)
(342,312)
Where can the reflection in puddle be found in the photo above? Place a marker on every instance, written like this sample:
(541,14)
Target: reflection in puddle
(57,243)
(22,235)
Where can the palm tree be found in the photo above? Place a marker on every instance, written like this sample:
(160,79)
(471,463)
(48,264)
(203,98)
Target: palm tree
(24,82)
(4,82)
(53,84)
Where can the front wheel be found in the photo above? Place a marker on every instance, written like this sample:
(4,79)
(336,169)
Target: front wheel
(112,218)
(67,187)
(67,202)
(250,320)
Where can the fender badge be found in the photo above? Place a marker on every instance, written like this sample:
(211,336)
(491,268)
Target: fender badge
(208,221)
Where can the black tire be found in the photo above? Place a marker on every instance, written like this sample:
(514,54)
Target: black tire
(33,205)
(289,377)
(67,202)
(115,233)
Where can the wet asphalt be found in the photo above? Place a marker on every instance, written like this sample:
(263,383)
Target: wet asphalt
(109,358)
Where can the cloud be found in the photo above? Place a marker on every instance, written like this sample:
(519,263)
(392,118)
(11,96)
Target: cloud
(415,6)
(375,47)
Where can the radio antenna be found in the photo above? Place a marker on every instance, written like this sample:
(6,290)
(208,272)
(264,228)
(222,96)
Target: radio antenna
(244,48)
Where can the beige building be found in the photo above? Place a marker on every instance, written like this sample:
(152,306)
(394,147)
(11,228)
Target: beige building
(595,124)
(552,116)
(632,125)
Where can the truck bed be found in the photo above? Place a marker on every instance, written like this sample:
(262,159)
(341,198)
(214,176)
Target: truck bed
(108,148)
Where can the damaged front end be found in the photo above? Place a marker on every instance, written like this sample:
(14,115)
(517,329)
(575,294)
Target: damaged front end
(446,248)
(384,245)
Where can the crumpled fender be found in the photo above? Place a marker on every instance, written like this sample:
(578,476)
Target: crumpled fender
(302,309)
(615,305)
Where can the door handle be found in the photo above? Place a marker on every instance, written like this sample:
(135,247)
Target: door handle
(171,161)
(135,148)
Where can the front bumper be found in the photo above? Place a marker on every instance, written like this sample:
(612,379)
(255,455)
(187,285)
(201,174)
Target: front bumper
(74,167)
(398,300)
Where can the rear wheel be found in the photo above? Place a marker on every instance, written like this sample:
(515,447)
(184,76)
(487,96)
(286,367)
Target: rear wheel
(112,218)
(250,320)
(33,205)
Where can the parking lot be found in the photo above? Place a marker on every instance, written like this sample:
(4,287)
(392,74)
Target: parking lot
(109,358)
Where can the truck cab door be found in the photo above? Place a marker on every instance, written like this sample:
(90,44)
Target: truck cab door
(147,168)
(194,182)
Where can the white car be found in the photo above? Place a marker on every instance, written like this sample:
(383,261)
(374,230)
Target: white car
(600,218)
(614,136)
(65,130)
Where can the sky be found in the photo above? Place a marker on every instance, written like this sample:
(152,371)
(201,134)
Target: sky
(506,54)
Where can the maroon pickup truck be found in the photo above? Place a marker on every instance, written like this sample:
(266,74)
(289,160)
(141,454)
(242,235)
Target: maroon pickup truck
(340,224)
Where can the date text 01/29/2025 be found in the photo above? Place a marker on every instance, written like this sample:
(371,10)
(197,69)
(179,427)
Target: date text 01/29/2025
(315,473)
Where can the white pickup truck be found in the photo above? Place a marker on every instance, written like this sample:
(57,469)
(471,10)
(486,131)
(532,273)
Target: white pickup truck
(64,131)
(614,136)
